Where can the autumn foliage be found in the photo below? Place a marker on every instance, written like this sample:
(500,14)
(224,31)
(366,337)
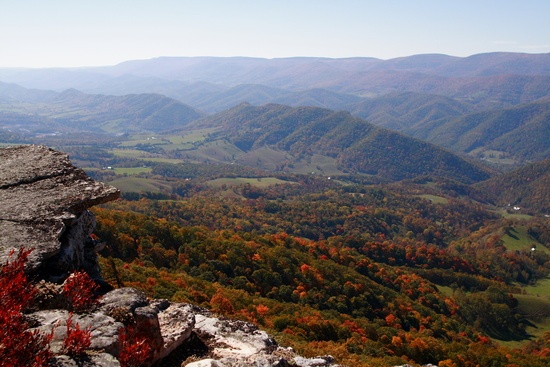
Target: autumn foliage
(80,291)
(135,350)
(19,347)
(376,275)
(77,340)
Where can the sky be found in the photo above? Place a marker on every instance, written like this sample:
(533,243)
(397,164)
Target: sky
(79,33)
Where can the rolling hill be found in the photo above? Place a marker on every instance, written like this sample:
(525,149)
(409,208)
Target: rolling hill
(354,144)
(10,92)
(402,111)
(522,132)
(527,187)
(73,110)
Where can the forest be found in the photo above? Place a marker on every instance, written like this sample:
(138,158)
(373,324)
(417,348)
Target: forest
(375,274)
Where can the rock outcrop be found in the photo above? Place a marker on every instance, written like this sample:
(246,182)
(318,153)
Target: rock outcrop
(44,207)
(44,201)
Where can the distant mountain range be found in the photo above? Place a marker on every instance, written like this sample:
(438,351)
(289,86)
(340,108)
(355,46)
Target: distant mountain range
(486,105)
(488,79)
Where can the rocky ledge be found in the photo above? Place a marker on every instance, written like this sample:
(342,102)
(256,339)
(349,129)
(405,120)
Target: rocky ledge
(44,207)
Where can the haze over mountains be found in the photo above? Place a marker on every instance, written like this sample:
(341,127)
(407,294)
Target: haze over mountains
(486,105)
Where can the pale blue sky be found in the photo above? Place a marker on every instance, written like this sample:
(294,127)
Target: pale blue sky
(46,33)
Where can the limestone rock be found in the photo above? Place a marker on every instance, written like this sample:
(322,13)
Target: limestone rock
(44,200)
(93,360)
(241,344)
(324,361)
(232,339)
(104,329)
(127,299)
(209,362)
(176,324)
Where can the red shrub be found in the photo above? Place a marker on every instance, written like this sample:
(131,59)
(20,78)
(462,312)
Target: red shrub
(77,340)
(19,347)
(135,350)
(16,293)
(80,290)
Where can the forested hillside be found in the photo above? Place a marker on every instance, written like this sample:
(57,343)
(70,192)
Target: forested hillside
(527,187)
(522,132)
(33,114)
(374,275)
(356,145)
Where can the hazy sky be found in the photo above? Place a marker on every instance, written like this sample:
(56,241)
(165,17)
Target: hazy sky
(45,33)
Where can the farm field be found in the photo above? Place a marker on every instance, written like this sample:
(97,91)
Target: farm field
(517,239)
(258,182)
(138,184)
(433,198)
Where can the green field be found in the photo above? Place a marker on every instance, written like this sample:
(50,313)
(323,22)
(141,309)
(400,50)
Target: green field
(541,288)
(129,153)
(517,239)
(138,184)
(184,141)
(493,156)
(131,170)
(433,198)
(144,156)
(215,151)
(318,165)
(537,310)
(143,139)
(258,182)
(505,214)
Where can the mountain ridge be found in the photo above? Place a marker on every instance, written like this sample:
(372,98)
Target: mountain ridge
(355,144)
(521,131)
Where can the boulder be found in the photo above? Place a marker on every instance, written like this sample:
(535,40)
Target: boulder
(176,325)
(234,342)
(209,362)
(127,299)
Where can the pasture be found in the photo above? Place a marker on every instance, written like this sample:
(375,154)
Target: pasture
(139,184)
(257,182)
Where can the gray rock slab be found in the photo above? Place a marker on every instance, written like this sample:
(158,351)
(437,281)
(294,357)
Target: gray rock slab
(92,360)
(41,193)
(104,329)
(126,298)
(176,325)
